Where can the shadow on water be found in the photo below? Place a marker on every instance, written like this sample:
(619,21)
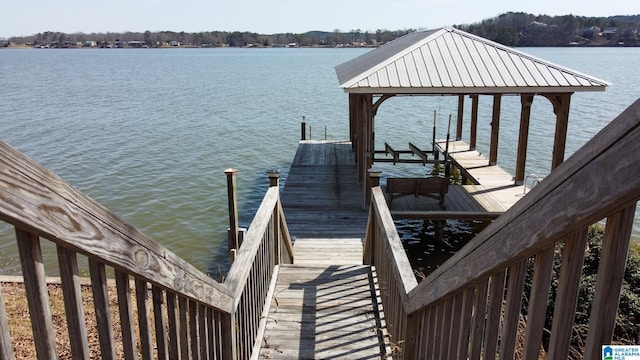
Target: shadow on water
(425,253)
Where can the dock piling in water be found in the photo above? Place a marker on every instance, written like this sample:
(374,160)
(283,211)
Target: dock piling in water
(233,209)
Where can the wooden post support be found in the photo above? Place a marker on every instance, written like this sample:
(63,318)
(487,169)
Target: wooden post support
(473,129)
(495,129)
(460,117)
(523,138)
(561,104)
(233,208)
(303,129)
(274,177)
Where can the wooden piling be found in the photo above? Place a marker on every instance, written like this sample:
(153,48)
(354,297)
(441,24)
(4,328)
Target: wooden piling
(233,208)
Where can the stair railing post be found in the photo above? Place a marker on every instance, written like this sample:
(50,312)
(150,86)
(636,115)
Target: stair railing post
(233,211)
(274,176)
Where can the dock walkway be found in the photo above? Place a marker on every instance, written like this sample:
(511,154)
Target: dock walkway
(324,311)
(325,305)
(321,196)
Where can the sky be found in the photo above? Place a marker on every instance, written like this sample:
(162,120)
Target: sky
(28,17)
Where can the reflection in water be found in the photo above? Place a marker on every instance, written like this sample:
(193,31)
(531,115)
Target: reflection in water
(424,251)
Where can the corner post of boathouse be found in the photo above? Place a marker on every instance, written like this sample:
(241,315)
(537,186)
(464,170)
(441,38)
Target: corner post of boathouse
(460,117)
(495,129)
(473,127)
(525,115)
(561,103)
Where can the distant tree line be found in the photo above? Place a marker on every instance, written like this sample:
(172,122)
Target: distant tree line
(521,29)
(511,29)
(335,38)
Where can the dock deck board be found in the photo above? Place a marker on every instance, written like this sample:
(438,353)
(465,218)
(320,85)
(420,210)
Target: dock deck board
(496,190)
(325,312)
(321,196)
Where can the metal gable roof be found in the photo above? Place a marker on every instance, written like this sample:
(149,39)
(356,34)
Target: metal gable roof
(451,61)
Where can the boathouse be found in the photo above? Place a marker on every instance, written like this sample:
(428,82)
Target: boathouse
(451,62)
(314,276)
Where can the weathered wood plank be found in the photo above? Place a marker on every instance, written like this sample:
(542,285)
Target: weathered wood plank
(326,252)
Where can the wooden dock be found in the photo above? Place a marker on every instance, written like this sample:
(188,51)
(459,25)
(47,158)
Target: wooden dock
(325,305)
(321,196)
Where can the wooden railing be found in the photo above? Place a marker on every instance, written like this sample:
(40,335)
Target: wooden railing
(179,311)
(252,276)
(471,306)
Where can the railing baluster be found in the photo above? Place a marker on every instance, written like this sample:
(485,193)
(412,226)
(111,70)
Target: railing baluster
(567,295)
(125,308)
(103,311)
(159,322)
(494,311)
(202,328)
(462,349)
(517,272)
(6,350)
(37,294)
(193,329)
(454,333)
(440,320)
(144,319)
(536,313)
(172,317)
(211,334)
(615,248)
(478,321)
(72,295)
(184,327)
(423,340)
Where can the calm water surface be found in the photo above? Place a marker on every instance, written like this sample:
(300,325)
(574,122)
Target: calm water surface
(148,133)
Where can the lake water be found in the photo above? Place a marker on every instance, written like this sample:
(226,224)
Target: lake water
(148,133)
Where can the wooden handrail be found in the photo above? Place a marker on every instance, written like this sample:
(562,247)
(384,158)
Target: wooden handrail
(472,303)
(266,244)
(39,202)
